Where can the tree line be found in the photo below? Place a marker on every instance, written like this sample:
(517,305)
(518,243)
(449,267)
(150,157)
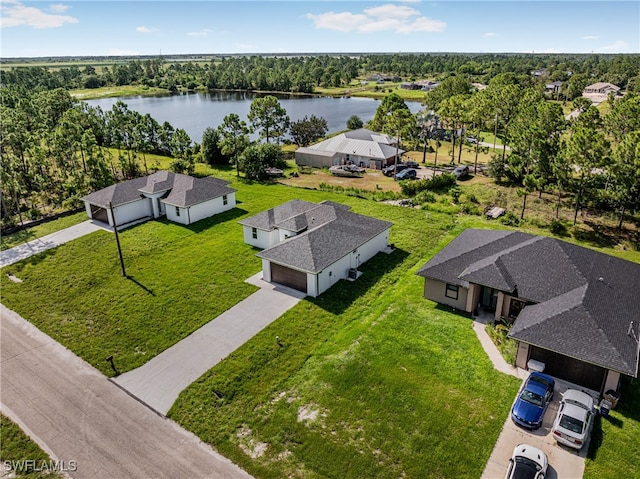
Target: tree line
(304,73)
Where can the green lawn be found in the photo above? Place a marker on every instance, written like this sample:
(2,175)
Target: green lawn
(28,234)
(18,449)
(371,381)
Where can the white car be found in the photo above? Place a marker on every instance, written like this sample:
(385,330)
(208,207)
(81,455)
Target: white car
(573,421)
(527,462)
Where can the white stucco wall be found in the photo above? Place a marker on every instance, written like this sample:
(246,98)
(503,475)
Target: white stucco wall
(266,270)
(613,378)
(132,211)
(522,356)
(264,240)
(202,210)
(436,290)
(284,234)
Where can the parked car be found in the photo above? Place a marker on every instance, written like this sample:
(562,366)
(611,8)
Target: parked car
(472,139)
(388,170)
(532,400)
(573,421)
(527,462)
(412,164)
(407,174)
(461,171)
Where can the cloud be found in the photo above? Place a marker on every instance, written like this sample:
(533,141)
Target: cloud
(16,14)
(590,37)
(489,35)
(244,46)
(143,29)
(615,47)
(202,33)
(388,17)
(58,8)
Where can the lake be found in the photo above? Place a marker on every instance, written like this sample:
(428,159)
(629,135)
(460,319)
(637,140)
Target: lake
(194,112)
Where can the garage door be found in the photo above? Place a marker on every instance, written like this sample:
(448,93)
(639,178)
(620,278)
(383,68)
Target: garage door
(289,277)
(569,369)
(99,214)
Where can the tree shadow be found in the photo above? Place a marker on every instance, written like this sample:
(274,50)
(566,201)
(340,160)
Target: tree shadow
(342,294)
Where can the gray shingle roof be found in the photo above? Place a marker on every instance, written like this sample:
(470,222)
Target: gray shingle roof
(268,220)
(184,190)
(333,233)
(584,299)
(360,142)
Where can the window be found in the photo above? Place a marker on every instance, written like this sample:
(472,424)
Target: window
(451,291)
(515,307)
(177,211)
(225,200)
(254,233)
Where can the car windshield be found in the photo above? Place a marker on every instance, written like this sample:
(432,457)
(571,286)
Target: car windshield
(525,468)
(571,423)
(545,382)
(532,397)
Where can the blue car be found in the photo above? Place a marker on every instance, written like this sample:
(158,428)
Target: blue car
(532,401)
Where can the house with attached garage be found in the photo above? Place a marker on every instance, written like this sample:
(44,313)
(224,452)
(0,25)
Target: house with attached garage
(181,198)
(364,148)
(573,309)
(309,246)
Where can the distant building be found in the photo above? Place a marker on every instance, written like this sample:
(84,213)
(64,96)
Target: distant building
(602,88)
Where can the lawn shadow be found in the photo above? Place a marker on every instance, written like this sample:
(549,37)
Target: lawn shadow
(132,279)
(342,294)
(452,310)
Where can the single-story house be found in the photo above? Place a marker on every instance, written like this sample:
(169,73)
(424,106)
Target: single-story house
(360,147)
(181,198)
(575,310)
(602,88)
(309,246)
(553,87)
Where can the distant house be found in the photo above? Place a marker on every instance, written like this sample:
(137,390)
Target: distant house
(362,147)
(553,87)
(574,309)
(602,88)
(181,198)
(309,246)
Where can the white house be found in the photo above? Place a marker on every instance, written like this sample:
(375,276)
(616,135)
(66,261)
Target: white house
(362,147)
(181,198)
(309,247)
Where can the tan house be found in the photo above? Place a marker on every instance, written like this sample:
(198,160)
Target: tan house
(602,88)
(364,148)
(573,309)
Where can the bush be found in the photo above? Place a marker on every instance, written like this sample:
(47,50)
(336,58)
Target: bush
(455,194)
(510,219)
(471,198)
(440,183)
(496,168)
(425,197)
(558,228)
(470,208)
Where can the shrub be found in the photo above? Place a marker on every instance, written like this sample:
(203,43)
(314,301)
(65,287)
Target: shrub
(470,208)
(471,198)
(440,183)
(425,197)
(510,219)
(455,194)
(496,168)
(558,228)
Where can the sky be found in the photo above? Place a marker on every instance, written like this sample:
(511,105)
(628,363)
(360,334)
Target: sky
(154,27)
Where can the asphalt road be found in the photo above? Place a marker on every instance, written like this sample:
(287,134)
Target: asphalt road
(88,423)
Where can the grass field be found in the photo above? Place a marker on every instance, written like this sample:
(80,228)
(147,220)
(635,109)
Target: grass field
(372,380)
(18,449)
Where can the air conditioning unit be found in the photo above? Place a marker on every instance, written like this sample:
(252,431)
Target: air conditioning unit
(353,273)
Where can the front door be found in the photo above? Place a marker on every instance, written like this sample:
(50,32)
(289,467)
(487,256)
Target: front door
(489,298)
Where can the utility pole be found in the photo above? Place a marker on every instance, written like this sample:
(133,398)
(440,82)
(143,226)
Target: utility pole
(395,163)
(115,230)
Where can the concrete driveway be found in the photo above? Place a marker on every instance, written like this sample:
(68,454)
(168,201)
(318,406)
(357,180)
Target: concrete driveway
(49,241)
(564,463)
(158,382)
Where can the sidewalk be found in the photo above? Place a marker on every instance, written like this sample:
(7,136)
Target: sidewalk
(499,363)
(49,241)
(159,382)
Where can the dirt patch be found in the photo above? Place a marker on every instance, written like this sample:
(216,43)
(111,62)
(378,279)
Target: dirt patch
(308,413)
(252,448)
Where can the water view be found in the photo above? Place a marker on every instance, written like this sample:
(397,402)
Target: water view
(194,112)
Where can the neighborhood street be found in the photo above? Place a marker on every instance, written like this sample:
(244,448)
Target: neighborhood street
(87,422)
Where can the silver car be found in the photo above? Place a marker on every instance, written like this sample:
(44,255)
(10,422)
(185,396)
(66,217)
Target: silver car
(573,421)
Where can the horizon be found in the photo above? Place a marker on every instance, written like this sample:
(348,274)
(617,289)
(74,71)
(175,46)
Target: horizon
(98,28)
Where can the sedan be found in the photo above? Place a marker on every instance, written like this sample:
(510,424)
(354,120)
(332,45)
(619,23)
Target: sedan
(389,170)
(409,174)
(461,171)
(573,420)
(532,400)
(527,462)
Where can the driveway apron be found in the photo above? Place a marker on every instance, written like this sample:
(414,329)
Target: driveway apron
(159,381)
(49,241)
(92,427)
